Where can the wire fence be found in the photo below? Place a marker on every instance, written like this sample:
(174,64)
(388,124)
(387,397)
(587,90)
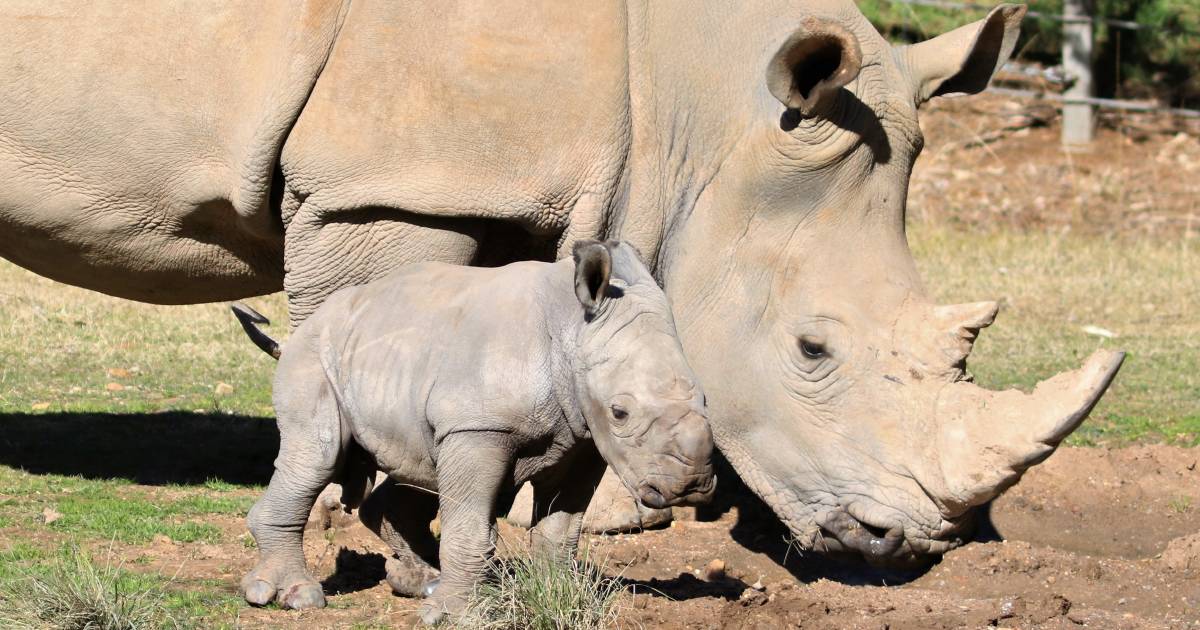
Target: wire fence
(1056,17)
(1104,103)
(1071,99)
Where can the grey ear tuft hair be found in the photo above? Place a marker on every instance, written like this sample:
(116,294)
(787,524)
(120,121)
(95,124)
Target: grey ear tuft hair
(593,268)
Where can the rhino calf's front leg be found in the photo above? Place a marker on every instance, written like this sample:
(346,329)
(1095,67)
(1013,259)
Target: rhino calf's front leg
(472,467)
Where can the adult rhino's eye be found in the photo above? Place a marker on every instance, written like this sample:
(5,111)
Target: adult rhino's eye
(619,412)
(812,349)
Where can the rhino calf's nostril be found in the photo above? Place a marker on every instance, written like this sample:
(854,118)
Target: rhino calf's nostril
(694,438)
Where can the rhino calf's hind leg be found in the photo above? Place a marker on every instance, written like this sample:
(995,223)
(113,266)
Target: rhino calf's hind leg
(306,464)
(400,516)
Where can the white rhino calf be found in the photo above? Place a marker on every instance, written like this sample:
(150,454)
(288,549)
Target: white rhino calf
(467,382)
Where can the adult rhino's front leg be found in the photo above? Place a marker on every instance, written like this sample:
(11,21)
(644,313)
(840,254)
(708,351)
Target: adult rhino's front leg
(328,246)
(612,509)
(559,506)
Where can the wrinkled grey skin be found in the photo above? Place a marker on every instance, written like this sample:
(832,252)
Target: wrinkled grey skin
(467,382)
(758,154)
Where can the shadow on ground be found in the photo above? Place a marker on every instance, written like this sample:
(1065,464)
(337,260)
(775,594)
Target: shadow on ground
(152,448)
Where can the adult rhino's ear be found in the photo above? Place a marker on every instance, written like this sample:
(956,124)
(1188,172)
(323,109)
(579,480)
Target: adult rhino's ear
(593,266)
(964,60)
(816,61)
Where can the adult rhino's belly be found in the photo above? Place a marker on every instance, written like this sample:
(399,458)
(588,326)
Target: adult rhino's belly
(137,252)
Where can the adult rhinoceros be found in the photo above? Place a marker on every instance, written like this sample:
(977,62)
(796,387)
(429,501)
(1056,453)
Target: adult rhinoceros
(757,153)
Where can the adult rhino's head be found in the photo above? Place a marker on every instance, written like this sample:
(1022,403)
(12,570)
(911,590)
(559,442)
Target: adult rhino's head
(638,395)
(783,139)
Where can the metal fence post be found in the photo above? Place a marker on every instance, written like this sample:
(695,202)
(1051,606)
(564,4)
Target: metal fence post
(1077,64)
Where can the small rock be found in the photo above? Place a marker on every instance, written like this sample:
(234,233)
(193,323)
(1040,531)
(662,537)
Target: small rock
(752,597)
(1012,607)
(715,571)
(162,540)
(758,585)
(114,387)
(1097,331)
(117,373)
(49,515)
(223,389)
(40,406)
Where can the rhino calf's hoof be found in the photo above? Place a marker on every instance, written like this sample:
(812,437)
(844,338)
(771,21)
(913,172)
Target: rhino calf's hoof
(440,604)
(303,596)
(409,580)
(259,592)
(290,589)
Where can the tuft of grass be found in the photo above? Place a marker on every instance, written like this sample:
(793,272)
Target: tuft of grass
(74,593)
(539,592)
(1181,504)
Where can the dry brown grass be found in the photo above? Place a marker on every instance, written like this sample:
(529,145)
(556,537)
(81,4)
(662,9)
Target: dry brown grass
(1052,285)
(67,349)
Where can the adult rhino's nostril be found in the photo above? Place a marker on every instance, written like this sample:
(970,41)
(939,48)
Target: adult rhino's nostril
(651,497)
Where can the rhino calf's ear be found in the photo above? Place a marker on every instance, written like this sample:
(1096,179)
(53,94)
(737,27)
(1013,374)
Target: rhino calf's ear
(593,265)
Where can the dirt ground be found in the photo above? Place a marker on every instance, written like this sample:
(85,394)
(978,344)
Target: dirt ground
(992,162)
(1095,538)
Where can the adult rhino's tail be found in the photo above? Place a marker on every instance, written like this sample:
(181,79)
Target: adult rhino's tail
(250,318)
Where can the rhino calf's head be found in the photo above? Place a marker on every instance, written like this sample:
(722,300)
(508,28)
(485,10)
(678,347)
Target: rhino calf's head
(639,397)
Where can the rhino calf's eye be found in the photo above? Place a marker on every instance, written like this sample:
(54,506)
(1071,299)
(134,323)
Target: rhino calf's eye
(619,412)
(812,349)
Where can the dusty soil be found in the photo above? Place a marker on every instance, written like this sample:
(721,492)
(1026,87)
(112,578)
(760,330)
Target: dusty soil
(1095,538)
(994,161)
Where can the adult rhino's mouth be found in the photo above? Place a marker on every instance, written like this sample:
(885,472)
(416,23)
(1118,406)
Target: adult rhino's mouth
(875,543)
(886,543)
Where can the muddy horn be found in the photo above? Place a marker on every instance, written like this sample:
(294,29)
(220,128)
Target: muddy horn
(987,439)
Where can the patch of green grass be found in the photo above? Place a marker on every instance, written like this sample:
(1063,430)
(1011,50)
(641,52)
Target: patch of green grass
(19,556)
(1180,504)
(75,593)
(537,592)
(115,509)
(205,604)
(1050,287)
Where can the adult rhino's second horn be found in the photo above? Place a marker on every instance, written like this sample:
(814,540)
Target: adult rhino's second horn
(987,439)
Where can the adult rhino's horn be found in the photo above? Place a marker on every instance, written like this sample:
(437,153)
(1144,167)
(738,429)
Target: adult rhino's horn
(986,440)
(962,323)
(816,61)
